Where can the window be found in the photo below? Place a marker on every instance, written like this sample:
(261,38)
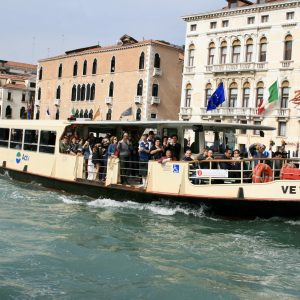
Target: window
(188,95)
(111,90)
(73,93)
(155,90)
(256,132)
(113,65)
(108,114)
(41,73)
(263,50)
(4,136)
(157,61)
(58,93)
(208,93)
(249,50)
(211,53)
(246,95)
(282,128)
(236,51)
(37,115)
(75,68)
(264,19)
(233,92)
(138,114)
(82,97)
(8,112)
(32,84)
(94,69)
(23,113)
(39,94)
(243,131)
(91,113)
(153,116)
(140,88)
(142,61)
(93,92)
(259,93)
(213,25)
(57,114)
(84,68)
(225,23)
(16,137)
(78,92)
(86,114)
(251,20)
(88,92)
(288,45)
(284,101)
(191,55)
(60,71)
(47,141)
(31,140)
(9,96)
(223,52)
(290,15)
(76,113)
(23,97)
(193,27)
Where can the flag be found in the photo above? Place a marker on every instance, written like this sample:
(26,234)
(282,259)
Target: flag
(97,114)
(296,99)
(270,96)
(127,112)
(217,98)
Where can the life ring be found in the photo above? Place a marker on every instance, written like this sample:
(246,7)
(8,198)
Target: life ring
(262,173)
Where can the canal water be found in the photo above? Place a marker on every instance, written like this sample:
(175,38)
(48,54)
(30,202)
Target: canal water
(58,246)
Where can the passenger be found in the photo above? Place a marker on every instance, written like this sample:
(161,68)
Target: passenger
(73,146)
(156,150)
(165,144)
(237,165)
(144,154)
(258,151)
(277,164)
(207,164)
(87,151)
(168,157)
(64,146)
(188,156)
(96,161)
(125,149)
(104,152)
(227,165)
(151,139)
(112,150)
(80,148)
(175,147)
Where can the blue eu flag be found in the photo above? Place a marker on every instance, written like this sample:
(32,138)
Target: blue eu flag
(217,98)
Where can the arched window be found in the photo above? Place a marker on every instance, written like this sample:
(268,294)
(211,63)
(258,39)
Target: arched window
(138,116)
(233,92)
(108,114)
(86,114)
(39,94)
(37,115)
(88,92)
(259,93)
(73,93)
(157,61)
(91,113)
(288,45)
(78,92)
(57,114)
(76,113)
(60,71)
(113,65)
(246,94)
(236,51)
(93,91)
(41,73)
(140,88)
(142,61)
(75,68)
(208,93)
(223,52)
(84,69)
(58,93)
(94,70)
(155,90)
(191,55)
(81,113)
(249,50)
(263,50)
(188,95)
(211,53)
(82,97)
(285,90)
(22,113)
(8,112)
(111,90)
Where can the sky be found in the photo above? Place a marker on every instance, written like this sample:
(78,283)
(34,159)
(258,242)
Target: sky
(37,29)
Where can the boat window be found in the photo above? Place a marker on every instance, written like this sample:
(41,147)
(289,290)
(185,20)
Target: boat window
(16,136)
(47,141)
(31,140)
(4,137)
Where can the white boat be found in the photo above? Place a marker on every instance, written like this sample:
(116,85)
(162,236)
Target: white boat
(29,151)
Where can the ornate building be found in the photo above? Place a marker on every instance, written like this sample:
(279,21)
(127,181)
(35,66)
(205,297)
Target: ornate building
(247,45)
(133,80)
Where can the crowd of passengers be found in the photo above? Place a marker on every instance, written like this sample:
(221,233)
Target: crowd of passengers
(135,152)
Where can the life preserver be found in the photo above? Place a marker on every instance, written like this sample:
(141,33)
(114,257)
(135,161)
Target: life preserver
(262,173)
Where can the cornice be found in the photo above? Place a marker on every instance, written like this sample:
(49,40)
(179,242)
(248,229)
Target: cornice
(248,29)
(242,11)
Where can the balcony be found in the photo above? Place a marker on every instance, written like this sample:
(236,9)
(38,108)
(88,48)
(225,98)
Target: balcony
(186,112)
(282,113)
(190,70)
(57,102)
(37,103)
(237,67)
(138,99)
(287,65)
(109,100)
(235,112)
(155,100)
(157,72)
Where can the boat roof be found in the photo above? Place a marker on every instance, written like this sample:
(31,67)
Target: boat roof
(141,124)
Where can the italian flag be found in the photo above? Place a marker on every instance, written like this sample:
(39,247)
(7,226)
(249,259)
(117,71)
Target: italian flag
(270,96)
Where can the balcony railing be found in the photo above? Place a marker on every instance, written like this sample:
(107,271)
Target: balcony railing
(237,67)
(287,64)
(186,112)
(231,112)
(138,99)
(157,72)
(190,69)
(282,112)
(108,100)
(155,100)
(57,102)
(37,103)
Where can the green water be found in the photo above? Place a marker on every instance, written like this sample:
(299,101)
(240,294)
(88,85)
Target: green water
(56,246)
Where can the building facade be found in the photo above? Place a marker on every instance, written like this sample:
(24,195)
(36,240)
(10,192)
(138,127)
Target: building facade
(246,45)
(17,90)
(131,81)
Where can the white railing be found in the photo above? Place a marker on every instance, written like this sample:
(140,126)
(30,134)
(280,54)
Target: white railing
(190,69)
(138,99)
(282,112)
(286,64)
(235,67)
(186,112)
(230,111)
(155,100)
(157,72)
(108,100)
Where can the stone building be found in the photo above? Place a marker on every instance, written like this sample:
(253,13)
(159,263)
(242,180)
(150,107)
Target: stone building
(133,80)
(17,90)
(247,45)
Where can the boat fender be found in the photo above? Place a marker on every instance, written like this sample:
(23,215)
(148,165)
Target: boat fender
(262,173)
(240,194)
(25,168)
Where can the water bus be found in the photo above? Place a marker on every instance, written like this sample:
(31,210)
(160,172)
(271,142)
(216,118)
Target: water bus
(30,152)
